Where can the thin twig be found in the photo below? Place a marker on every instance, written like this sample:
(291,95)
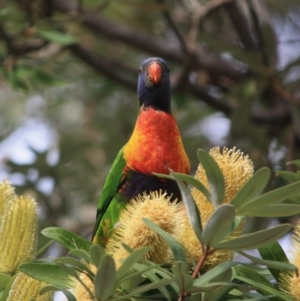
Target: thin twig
(169,18)
(241,25)
(201,13)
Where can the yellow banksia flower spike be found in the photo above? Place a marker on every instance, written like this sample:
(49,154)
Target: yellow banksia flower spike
(237,169)
(290,281)
(83,292)
(18,233)
(132,231)
(7,194)
(25,288)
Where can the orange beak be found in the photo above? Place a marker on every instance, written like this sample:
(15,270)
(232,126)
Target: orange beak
(154,73)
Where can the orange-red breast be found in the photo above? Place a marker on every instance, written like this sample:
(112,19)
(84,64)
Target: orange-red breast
(155,146)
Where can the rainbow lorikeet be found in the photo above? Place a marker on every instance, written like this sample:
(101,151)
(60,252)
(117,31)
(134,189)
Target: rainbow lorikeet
(155,146)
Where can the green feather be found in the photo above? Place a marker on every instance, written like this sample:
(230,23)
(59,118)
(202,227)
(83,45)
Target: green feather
(106,219)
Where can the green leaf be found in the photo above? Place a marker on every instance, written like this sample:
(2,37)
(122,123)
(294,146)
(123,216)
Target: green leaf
(255,240)
(131,282)
(47,272)
(296,162)
(4,280)
(214,176)
(132,278)
(272,197)
(43,248)
(81,254)
(182,278)
(195,183)
(145,288)
(208,287)
(76,264)
(105,278)
(191,208)
(288,175)
(49,288)
(67,269)
(58,37)
(5,292)
(252,188)
(67,238)
(44,78)
(218,294)
(219,225)
(279,266)
(16,81)
(129,262)
(151,275)
(96,254)
(247,296)
(258,281)
(8,12)
(274,252)
(214,273)
(277,210)
(176,248)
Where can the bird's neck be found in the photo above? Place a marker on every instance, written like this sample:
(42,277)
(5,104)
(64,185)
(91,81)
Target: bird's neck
(155,144)
(158,98)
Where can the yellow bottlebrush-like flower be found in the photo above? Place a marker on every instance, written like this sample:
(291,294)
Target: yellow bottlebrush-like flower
(237,169)
(82,292)
(7,194)
(132,231)
(25,288)
(18,233)
(290,282)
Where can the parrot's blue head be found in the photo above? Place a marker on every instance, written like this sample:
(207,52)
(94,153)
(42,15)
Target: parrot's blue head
(154,89)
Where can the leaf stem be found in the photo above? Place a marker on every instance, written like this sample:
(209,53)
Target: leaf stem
(200,263)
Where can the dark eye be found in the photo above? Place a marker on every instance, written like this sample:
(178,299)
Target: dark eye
(140,70)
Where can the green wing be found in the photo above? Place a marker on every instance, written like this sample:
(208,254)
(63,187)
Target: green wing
(109,201)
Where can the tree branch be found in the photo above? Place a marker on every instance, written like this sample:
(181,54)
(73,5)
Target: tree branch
(149,44)
(212,101)
(126,76)
(110,68)
(180,37)
(241,25)
(18,49)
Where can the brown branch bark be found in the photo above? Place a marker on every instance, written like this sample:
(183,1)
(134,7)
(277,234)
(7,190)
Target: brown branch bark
(241,25)
(111,69)
(172,23)
(158,47)
(19,48)
(127,77)
(149,44)
(214,102)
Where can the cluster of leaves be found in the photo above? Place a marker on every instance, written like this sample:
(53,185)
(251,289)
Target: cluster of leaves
(140,279)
